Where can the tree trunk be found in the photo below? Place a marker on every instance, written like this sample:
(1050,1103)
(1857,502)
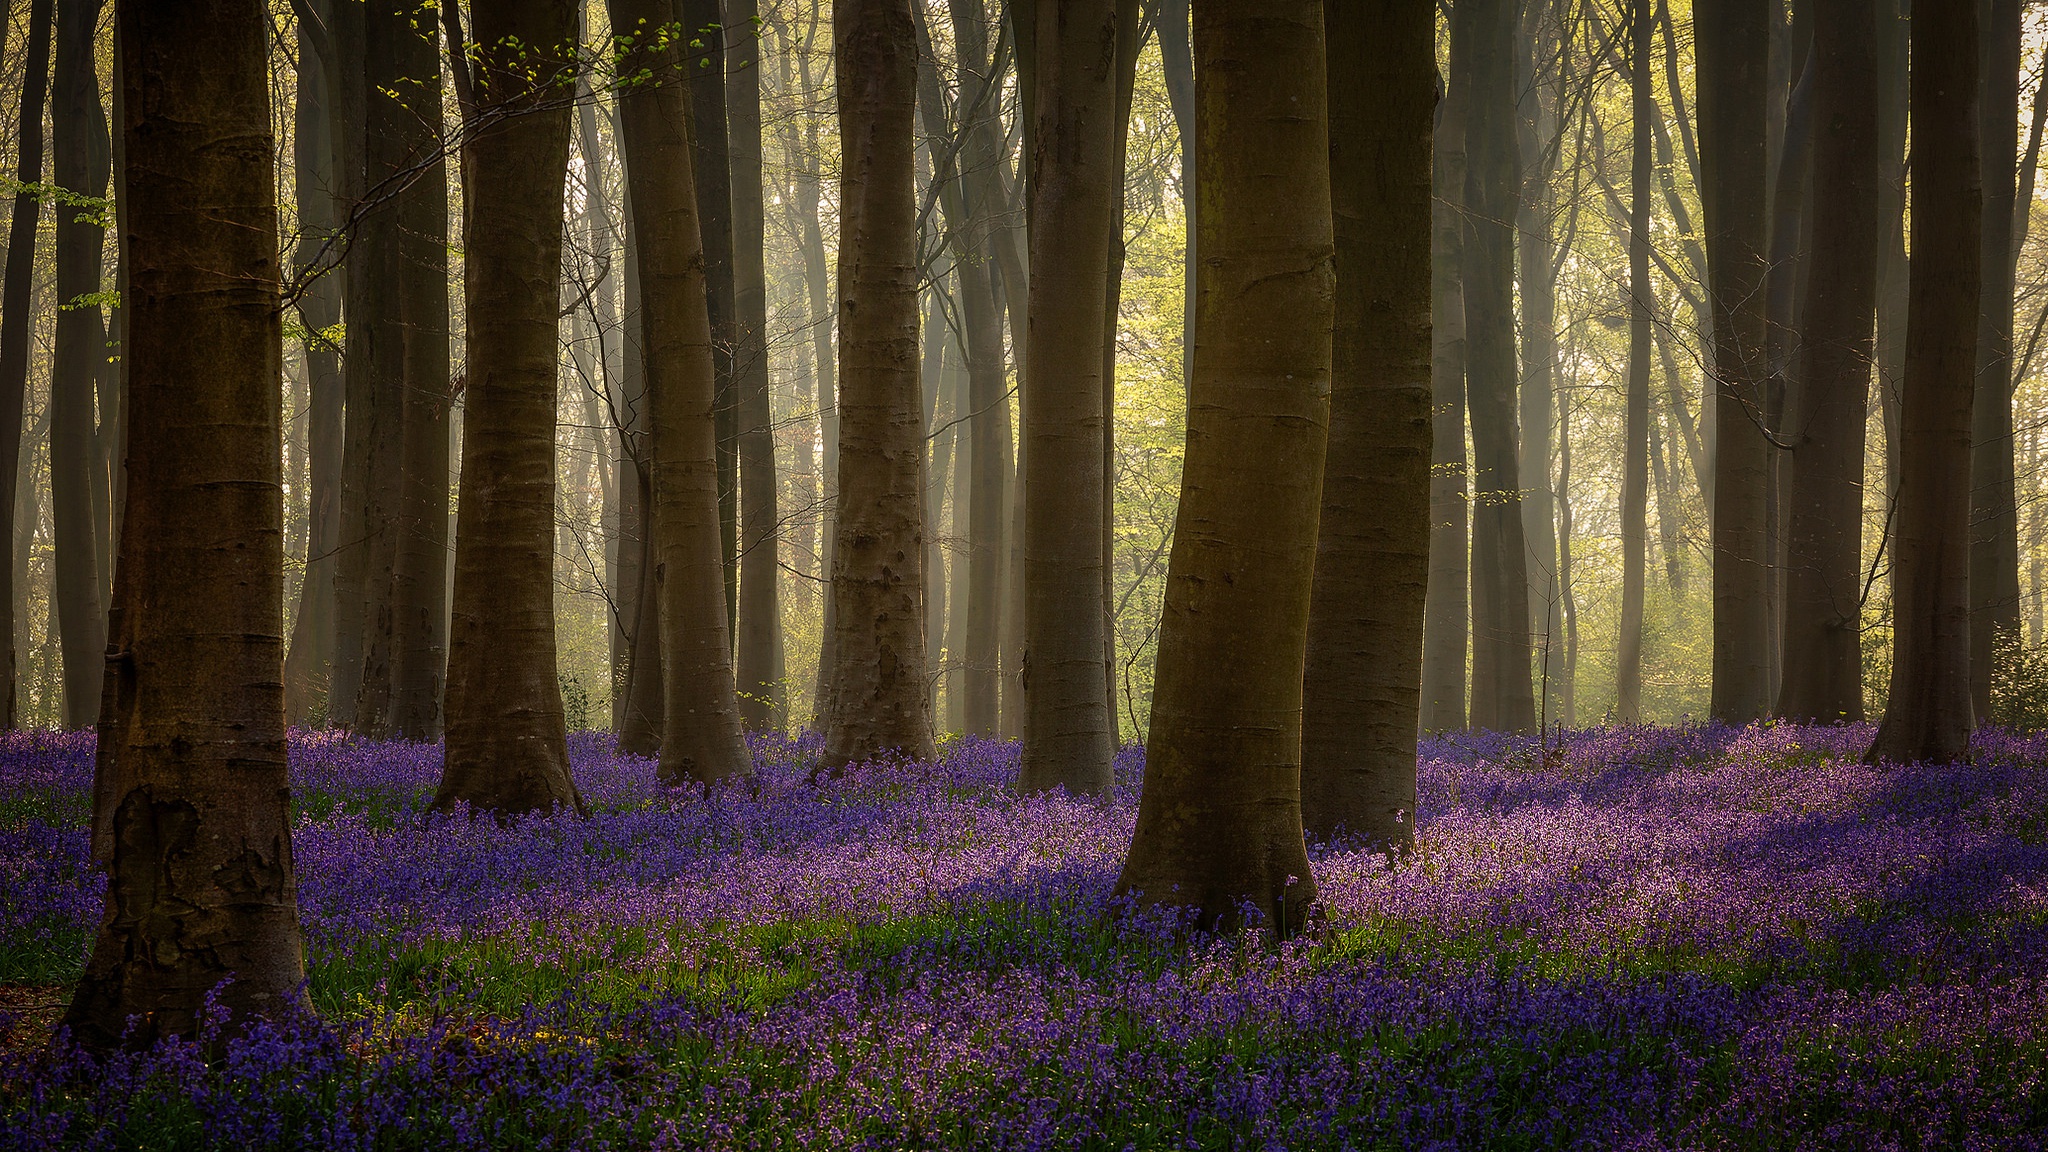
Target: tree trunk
(1790,222)
(1733,40)
(507,751)
(760,611)
(419,594)
(1928,713)
(1075,216)
(17,323)
(1361,689)
(1823,678)
(1503,696)
(191,805)
(82,168)
(1445,635)
(1568,603)
(1219,819)
(1994,509)
(1130,41)
(309,662)
(1177,68)
(1635,444)
(878,701)
(701,738)
(1536,130)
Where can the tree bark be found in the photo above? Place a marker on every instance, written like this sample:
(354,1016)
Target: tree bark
(760,609)
(1823,677)
(1928,714)
(1445,634)
(877,696)
(1361,691)
(16,320)
(1539,63)
(81,168)
(1067,741)
(191,805)
(1994,508)
(507,749)
(1219,818)
(1635,464)
(1733,40)
(1503,696)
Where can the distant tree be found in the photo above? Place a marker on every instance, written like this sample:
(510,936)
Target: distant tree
(16,323)
(1075,210)
(877,694)
(1733,46)
(704,28)
(1823,665)
(506,743)
(82,167)
(191,806)
(1635,466)
(1928,716)
(1219,820)
(1446,635)
(1361,691)
(1994,508)
(701,737)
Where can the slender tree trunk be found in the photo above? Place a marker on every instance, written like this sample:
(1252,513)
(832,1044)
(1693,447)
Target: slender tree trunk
(640,692)
(419,594)
(191,805)
(507,748)
(1536,128)
(1219,819)
(82,167)
(1994,509)
(363,276)
(309,661)
(878,701)
(1663,473)
(1732,43)
(760,611)
(1635,444)
(1445,620)
(1928,714)
(1892,28)
(701,715)
(16,319)
(1177,68)
(1790,223)
(1067,742)
(1503,696)
(1823,680)
(1130,41)
(1361,689)
(818,294)
(1568,603)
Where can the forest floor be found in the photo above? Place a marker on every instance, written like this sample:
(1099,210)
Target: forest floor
(1634,938)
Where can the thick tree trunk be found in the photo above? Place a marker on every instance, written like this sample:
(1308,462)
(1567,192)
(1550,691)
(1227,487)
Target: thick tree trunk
(191,805)
(1823,678)
(82,168)
(1219,820)
(1928,713)
(1892,27)
(1994,509)
(309,662)
(1635,440)
(760,608)
(507,748)
(1361,690)
(701,738)
(419,593)
(877,696)
(1503,695)
(16,321)
(1733,39)
(1177,68)
(1075,218)
(1445,634)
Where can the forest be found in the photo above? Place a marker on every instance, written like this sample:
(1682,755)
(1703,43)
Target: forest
(1023,574)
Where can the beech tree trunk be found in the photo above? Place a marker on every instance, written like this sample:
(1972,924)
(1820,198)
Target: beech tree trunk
(1075,216)
(191,805)
(1539,63)
(877,697)
(1994,509)
(1635,464)
(1503,695)
(1445,633)
(17,325)
(507,749)
(1928,716)
(701,738)
(1219,818)
(1362,687)
(1733,44)
(1823,665)
(82,168)
(760,609)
